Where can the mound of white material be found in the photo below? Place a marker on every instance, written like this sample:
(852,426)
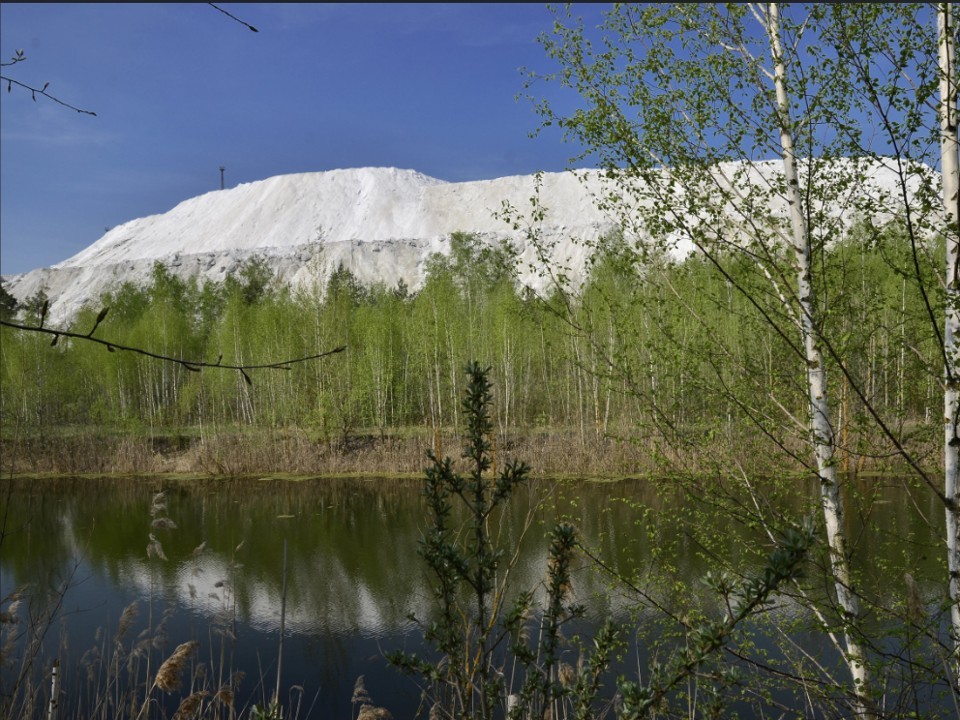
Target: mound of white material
(381,223)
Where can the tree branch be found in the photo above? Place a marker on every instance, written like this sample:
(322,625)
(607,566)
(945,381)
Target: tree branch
(191,365)
(233,17)
(41,91)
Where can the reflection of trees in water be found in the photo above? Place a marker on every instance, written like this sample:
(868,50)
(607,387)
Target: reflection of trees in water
(353,562)
(354,573)
(47,525)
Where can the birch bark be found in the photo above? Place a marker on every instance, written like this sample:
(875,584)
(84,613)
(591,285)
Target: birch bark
(821,429)
(950,168)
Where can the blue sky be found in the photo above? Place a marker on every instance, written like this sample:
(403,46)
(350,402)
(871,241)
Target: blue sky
(181,89)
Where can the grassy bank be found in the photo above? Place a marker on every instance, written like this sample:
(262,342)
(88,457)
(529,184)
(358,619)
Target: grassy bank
(561,452)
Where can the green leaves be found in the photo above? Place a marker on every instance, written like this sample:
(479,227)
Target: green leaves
(474,621)
(705,637)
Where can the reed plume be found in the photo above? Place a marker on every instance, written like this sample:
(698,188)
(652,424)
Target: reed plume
(155,549)
(158,504)
(127,618)
(224,696)
(168,676)
(914,602)
(8,635)
(360,694)
(370,712)
(9,616)
(190,705)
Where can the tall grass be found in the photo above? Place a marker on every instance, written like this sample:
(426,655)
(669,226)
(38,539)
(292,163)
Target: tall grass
(552,452)
(126,674)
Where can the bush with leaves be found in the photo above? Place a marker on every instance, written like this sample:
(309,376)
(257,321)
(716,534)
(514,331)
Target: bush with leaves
(483,639)
(474,625)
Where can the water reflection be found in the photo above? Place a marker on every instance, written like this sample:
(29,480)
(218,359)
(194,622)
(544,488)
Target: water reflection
(353,573)
(352,551)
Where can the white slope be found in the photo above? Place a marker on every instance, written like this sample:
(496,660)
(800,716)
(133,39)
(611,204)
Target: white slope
(381,223)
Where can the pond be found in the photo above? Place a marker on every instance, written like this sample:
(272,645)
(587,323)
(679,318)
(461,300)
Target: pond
(354,581)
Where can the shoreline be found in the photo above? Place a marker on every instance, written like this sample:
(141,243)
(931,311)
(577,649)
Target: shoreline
(298,454)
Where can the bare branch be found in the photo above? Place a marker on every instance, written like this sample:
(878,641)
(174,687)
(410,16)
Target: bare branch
(17,58)
(41,91)
(191,365)
(233,17)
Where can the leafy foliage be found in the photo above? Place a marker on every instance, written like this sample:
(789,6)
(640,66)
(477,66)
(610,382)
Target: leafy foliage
(660,360)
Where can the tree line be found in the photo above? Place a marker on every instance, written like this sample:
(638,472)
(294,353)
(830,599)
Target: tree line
(652,359)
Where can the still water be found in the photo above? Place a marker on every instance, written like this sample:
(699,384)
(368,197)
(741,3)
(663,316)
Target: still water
(354,577)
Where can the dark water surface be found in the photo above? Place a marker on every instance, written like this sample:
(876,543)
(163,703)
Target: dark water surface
(353,572)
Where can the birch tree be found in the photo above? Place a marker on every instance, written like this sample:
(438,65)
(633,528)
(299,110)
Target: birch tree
(683,106)
(820,417)
(949,149)
(904,59)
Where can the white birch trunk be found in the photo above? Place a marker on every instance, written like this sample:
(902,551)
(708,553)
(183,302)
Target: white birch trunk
(950,167)
(821,429)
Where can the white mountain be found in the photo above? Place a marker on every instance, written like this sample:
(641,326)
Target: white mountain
(380,223)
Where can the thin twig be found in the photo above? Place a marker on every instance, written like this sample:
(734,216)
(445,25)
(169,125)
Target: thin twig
(233,17)
(41,91)
(191,365)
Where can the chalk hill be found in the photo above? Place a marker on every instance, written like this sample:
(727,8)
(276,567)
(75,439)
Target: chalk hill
(381,223)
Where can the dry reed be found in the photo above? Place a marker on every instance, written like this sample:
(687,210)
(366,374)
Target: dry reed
(155,549)
(9,622)
(127,618)
(371,712)
(224,696)
(168,676)
(555,451)
(360,694)
(190,705)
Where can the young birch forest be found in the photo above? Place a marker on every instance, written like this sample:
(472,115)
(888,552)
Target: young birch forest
(665,362)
